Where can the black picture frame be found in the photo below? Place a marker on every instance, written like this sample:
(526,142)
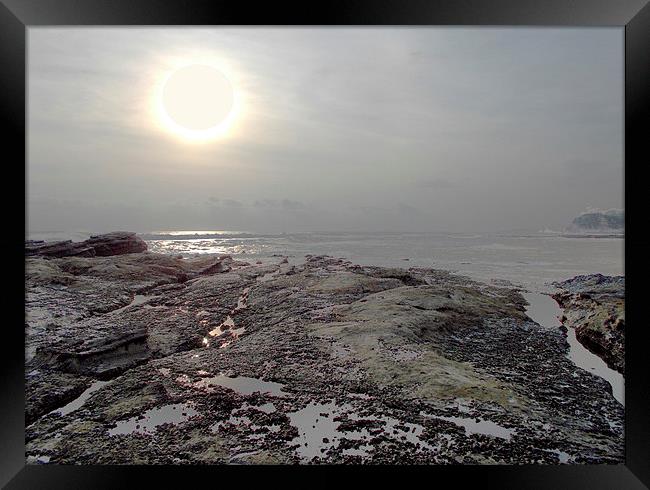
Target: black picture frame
(16,16)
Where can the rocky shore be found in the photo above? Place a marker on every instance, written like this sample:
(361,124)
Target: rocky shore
(141,358)
(595,306)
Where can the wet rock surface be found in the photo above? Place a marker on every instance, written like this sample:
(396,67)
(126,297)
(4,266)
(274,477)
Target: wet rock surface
(115,243)
(595,306)
(211,360)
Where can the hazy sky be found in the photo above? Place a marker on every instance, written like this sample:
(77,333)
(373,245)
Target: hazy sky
(377,129)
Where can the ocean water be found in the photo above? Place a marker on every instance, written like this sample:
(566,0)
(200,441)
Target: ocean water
(530,260)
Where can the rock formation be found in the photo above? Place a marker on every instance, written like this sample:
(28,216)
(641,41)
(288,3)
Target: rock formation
(155,359)
(595,306)
(115,243)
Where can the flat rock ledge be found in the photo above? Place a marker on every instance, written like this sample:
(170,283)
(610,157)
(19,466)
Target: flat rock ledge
(146,358)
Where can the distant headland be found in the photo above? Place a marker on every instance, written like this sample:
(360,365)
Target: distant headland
(597,223)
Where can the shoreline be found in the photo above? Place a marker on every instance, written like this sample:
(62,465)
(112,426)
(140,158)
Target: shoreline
(398,365)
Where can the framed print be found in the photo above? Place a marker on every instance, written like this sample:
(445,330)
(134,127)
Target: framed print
(372,236)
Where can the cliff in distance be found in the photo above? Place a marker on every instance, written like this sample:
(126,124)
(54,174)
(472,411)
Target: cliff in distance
(611,221)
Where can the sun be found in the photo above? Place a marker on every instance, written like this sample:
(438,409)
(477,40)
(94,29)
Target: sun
(197,102)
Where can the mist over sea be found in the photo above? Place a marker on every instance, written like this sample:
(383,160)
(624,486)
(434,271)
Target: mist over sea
(527,259)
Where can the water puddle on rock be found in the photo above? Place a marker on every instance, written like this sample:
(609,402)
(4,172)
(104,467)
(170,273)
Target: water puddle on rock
(152,419)
(242,385)
(242,422)
(318,431)
(227,327)
(242,301)
(227,324)
(38,459)
(544,310)
(562,456)
(81,399)
(585,359)
(484,427)
(266,408)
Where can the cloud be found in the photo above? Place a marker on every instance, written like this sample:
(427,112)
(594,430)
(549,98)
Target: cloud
(407,209)
(286,204)
(462,123)
(292,205)
(436,184)
(232,203)
(265,203)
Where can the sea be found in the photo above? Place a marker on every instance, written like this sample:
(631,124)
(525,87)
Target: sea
(530,260)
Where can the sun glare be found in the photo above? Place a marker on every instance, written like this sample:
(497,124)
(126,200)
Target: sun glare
(197,101)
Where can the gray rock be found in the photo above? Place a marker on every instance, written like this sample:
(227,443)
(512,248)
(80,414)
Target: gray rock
(385,359)
(594,305)
(115,243)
